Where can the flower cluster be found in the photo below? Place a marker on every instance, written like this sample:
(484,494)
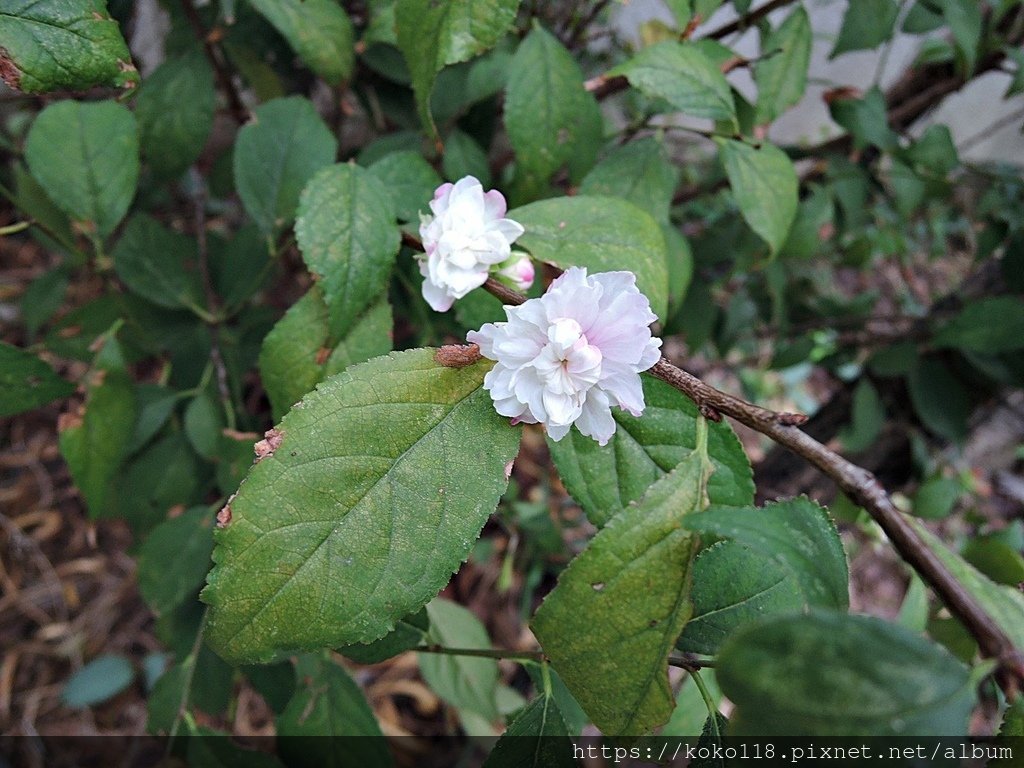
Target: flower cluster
(570,355)
(465,238)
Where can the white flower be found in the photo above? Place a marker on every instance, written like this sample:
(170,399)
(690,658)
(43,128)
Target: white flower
(570,355)
(463,239)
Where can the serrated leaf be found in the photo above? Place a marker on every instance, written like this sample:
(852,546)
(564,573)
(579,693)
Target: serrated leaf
(102,678)
(382,480)
(605,479)
(158,264)
(174,559)
(797,534)
(734,585)
(86,157)
(318,30)
(782,77)
(684,76)
(410,180)
(408,633)
(330,706)
(174,108)
(26,382)
(94,442)
(536,738)
(765,186)
(51,45)
(466,682)
(867,24)
(300,352)
(640,172)
(432,35)
(830,674)
(603,234)
(989,326)
(275,155)
(348,237)
(618,608)
(548,114)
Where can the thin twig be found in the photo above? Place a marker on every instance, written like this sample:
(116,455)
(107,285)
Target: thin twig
(747,20)
(218,61)
(213,308)
(863,488)
(486,653)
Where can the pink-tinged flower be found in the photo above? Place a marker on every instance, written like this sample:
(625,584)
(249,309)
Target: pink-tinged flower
(465,237)
(570,355)
(517,271)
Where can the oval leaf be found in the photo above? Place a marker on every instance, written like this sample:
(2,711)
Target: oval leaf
(318,30)
(158,264)
(174,559)
(764,183)
(605,479)
(603,234)
(830,674)
(347,233)
(380,481)
(50,45)
(609,624)
(276,154)
(86,157)
(26,382)
(102,678)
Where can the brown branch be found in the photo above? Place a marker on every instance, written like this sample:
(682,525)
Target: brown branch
(748,20)
(863,488)
(218,61)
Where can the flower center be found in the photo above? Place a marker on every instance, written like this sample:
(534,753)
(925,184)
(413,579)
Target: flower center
(568,364)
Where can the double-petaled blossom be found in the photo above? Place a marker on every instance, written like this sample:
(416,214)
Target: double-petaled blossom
(570,355)
(465,238)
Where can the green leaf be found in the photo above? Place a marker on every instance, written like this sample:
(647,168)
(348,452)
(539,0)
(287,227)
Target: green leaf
(867,24)
(782,77)
(275,155)
(640,172)
(605,479)
(830,674)
(796,534)
(330,706)
(996,559)
(164,475)
(684,76)
(765,186)
(866,119)
(86,157)
(1003,603)
(989,326)
(464,157)
(465,682)
(382,480)
(26,382)
(175,107)
(240,267)
(319,31)
(548,114)
(965,22)
(347,234)
(936,497)
(433,35)
(102,678)
(410,180)
(300,352)
(601,233)
(174,559)
(408,633)
(618,608)
(51,45)
(536,738)
(734,585)
(158,264)
(940,398)
(866,419)
(204,424)
(94,442)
